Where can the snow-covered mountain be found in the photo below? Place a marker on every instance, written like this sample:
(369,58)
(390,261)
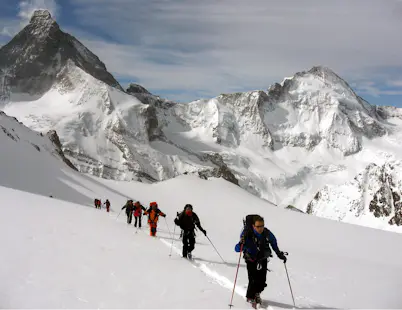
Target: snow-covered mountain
(373,195)
(284,144)
(319,107)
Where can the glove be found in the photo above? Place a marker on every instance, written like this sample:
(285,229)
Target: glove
(281,255)
(176,221)
(267,254)
(164,215)
(204,232)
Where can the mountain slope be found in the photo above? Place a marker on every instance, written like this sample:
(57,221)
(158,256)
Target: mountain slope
(104,131)
(35,163)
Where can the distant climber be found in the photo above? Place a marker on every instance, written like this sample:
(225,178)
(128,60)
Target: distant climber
(129,206)
(97,203)
(107,204)
(138,208)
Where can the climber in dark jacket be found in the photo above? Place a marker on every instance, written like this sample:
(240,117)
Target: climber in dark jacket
(129,206)
(187,221)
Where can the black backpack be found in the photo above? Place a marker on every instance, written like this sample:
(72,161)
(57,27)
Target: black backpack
(248,223)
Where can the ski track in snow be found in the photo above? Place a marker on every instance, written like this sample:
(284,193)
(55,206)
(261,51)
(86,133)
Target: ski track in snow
(223,281)
(219,279)
(212,274)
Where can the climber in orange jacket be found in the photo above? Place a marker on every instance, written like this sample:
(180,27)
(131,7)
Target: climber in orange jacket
(153,216)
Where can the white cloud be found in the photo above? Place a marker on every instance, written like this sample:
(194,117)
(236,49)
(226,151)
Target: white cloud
(375,89)
(26,9)
(395,83)
(223,46)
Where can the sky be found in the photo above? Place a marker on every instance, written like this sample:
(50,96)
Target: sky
(186,50)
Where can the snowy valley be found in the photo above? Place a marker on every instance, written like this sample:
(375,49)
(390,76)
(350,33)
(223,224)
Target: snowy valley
(302,142)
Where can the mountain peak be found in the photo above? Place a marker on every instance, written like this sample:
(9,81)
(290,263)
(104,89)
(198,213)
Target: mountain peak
(40,16)
(320,70)
(39,52)
(42,20)
(328,75)
(137,89)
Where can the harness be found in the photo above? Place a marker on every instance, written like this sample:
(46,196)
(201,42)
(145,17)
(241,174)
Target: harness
(262,246)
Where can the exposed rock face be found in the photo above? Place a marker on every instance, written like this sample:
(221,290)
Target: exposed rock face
(222,171)
(293,208)
(52,135)
(137,89)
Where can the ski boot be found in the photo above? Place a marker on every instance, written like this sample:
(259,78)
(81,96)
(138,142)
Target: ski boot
(252,302)
(258,299)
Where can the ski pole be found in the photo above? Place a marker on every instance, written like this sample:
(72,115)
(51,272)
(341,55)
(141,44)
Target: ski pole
(118,214)
(167,226)
(291,292)
(171,248)
(237,271)
(215,249)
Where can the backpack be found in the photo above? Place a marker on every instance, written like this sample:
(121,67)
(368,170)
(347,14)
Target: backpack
(248,223)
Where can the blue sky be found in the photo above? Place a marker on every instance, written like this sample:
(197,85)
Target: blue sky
(185,49)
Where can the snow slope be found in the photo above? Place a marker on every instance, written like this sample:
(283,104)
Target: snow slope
(61,252)
(80,257)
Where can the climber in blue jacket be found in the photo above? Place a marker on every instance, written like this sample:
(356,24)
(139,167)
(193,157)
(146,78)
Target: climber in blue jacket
(255,242)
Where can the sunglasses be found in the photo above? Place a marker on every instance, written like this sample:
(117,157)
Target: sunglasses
(260,226)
